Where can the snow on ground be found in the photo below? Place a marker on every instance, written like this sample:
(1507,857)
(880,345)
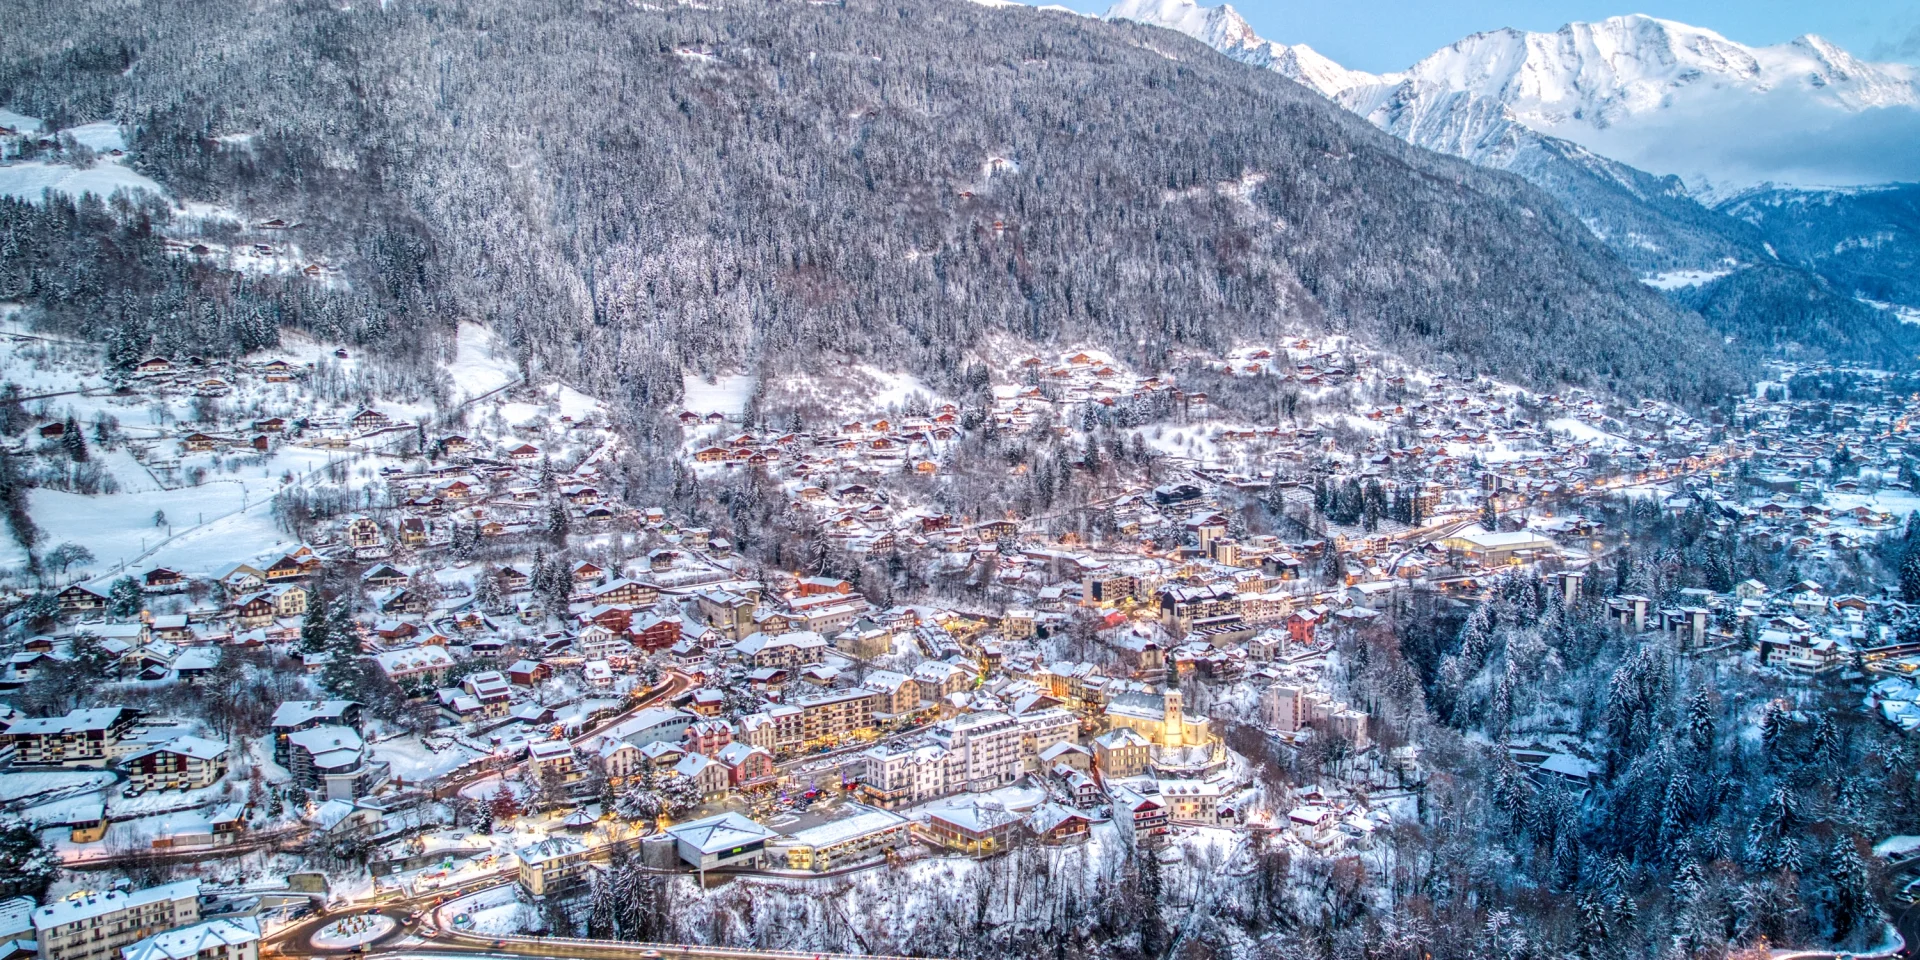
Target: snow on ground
(1681,279)
(1582,431)
(134,834)
(856,391)
(119,528)
(727,395)
(494,911)
(1900,311)
(1896,502)
(572,403)
(1896,846)
(481,365)
(24,784)
(101,136)
(19,121)
(201,212)
(413,761)
(29,179)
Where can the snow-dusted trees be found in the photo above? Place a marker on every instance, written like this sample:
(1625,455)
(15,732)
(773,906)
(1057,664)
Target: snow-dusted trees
(623,290)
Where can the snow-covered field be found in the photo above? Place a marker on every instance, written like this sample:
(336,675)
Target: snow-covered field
(225,520)
(413,762)
(726,395)
(482,365)
(1681,279)
(28,179)
(1897,502)
(1900,311)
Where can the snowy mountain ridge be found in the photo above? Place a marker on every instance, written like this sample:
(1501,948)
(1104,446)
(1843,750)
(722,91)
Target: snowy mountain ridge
(1225,30)
(1656,94)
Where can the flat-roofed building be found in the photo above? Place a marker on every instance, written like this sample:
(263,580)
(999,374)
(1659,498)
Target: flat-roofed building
(81,738)
(94,926)
(183,763)
(227,938)
(726,840)
(865,831)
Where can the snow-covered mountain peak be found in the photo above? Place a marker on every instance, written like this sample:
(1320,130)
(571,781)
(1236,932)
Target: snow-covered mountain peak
(1223,29)
(1657,94)
(1219,27)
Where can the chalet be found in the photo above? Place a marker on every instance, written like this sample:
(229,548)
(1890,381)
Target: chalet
(528,673)
(254,611)
(198,443)
(523,452)
(289,568)
(404,602)
(1054,824)
(369,421)
(153,365)
(423,663)
(655,632)
(162,580)
(278,371)
(413,531)
(364,531)
(79,599)
(384,577)
(241,578)
(511,580)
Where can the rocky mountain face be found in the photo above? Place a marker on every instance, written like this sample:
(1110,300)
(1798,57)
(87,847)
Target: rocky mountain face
(1678,147)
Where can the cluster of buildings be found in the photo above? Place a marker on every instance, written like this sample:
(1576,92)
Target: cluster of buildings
(625,650)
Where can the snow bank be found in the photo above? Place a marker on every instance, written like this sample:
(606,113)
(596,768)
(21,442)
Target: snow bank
(1898,846)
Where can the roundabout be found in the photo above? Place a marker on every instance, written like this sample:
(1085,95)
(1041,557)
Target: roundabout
(353,931)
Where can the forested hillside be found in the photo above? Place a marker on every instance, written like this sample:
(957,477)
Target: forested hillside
(626,191)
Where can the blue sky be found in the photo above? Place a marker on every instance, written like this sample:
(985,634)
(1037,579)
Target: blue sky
(1383,35)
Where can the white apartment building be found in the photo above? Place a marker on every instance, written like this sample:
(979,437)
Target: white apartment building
(895,774)
(95,926)
(983,750)
(222,939)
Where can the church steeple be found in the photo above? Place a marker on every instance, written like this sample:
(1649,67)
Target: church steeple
(1173,724)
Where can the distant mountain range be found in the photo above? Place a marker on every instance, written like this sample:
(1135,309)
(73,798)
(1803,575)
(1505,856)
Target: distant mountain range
(1684,150)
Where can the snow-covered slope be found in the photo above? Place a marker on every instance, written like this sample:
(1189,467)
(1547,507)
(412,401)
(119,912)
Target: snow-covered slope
(1661,96)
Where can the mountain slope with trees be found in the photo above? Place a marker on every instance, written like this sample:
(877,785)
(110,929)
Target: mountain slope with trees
(628,193)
